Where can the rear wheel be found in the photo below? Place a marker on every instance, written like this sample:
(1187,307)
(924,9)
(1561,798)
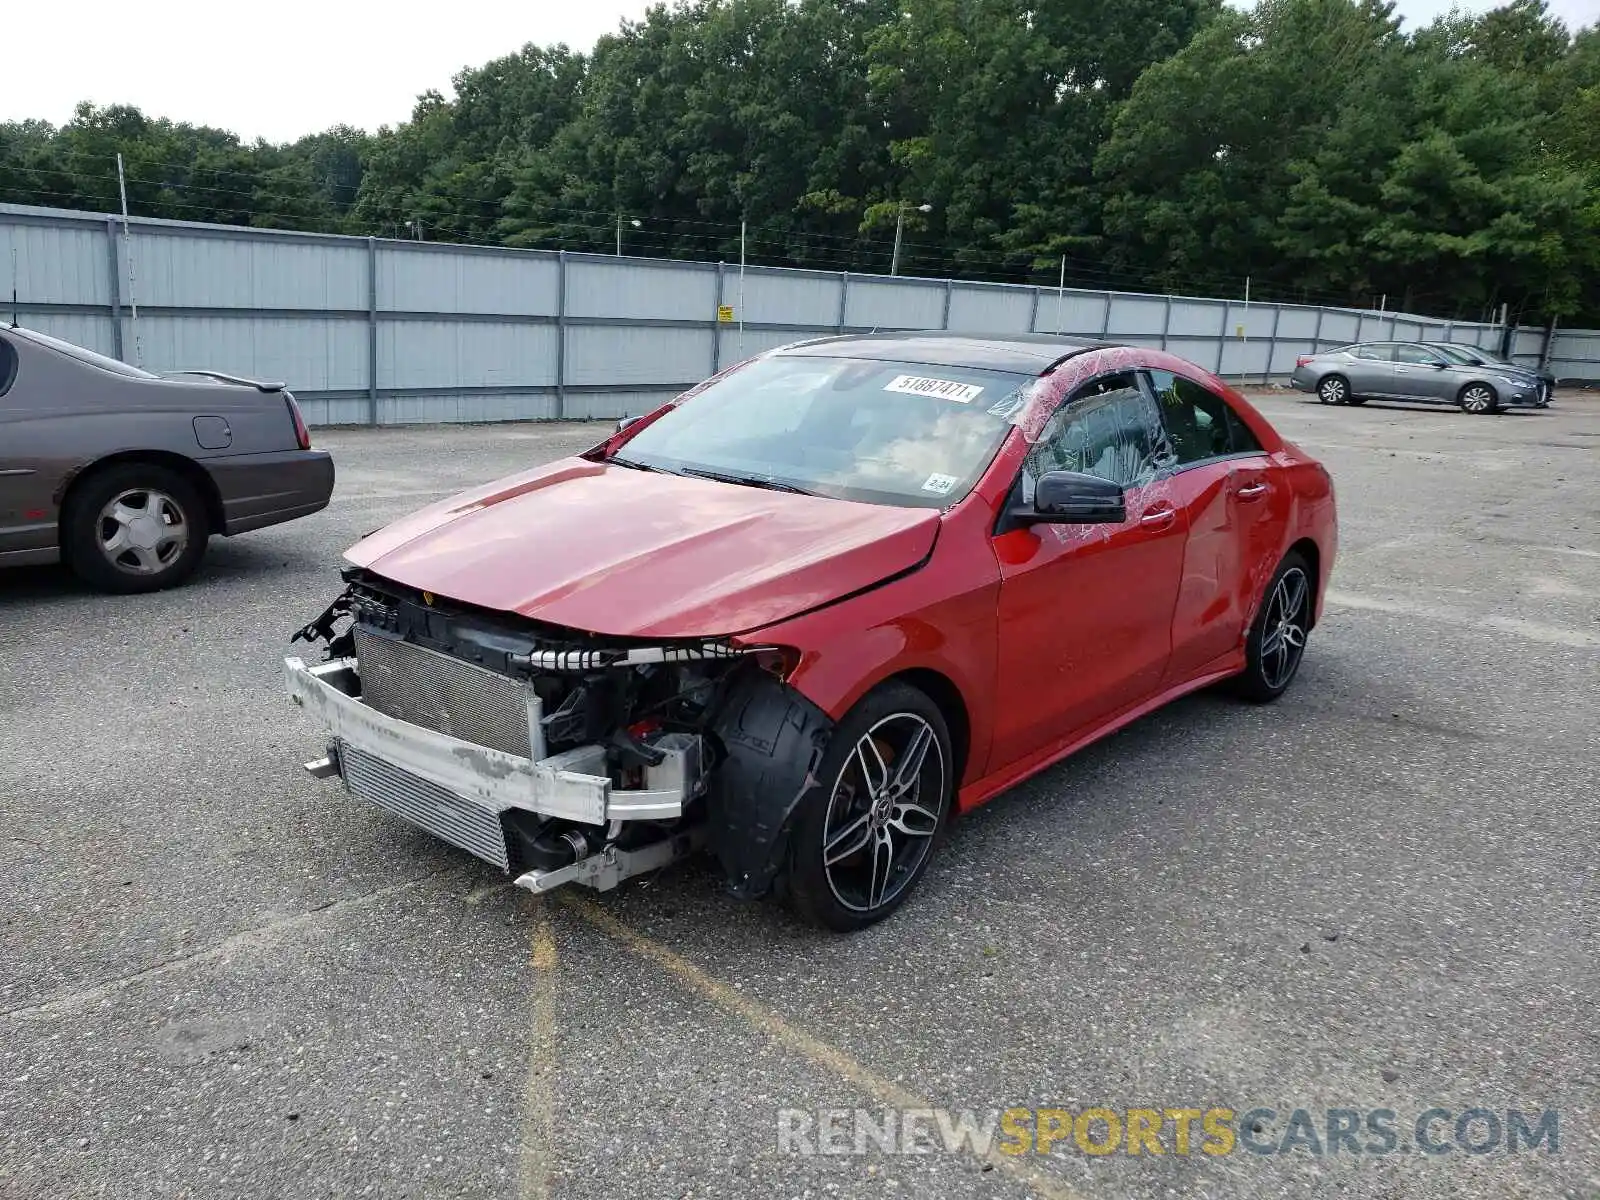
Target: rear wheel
(1277,639)
(865,838)
(1334,389)
(1478,399)
(134,527)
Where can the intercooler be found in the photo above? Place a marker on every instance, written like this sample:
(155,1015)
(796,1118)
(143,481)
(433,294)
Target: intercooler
(447,695)
(427,805)
(398,714)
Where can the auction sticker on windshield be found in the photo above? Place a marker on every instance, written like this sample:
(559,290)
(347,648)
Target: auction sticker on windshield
(945,389)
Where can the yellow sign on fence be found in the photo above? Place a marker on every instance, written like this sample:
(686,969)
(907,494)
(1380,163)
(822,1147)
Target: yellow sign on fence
(725,313)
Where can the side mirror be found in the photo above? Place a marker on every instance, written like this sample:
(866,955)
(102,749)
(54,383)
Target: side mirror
(1073,498)
(624,422)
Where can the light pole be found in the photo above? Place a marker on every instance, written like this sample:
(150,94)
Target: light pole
(635,222)
(899,225)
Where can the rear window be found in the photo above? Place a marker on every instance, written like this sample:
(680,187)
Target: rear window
(88,357)
(8,365)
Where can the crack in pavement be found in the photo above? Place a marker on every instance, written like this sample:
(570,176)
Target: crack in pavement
(1533,631)
(262,937)
(792,1037)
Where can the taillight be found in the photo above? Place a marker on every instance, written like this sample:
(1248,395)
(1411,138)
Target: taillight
(302,435)
(1302,360)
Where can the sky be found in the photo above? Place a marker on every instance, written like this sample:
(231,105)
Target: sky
(291,67)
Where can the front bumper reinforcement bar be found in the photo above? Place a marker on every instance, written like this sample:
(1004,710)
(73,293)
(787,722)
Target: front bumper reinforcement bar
(481,783)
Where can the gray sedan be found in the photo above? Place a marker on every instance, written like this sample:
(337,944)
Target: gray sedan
(1478,356)
(1418,372)
(124,475)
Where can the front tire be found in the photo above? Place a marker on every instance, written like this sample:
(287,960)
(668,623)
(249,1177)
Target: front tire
(1478,399)
(1334,389)
(1277,640)
(134,527)
(864,839)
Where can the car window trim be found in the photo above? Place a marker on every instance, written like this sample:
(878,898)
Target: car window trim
(1180,468)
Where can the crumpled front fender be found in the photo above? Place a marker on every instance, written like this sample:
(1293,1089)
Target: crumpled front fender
(774,739)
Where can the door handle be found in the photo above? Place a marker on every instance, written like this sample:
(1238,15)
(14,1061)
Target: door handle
(1160,518)
(1251,491)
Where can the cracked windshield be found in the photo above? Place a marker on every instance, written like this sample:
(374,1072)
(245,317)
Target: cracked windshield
(904,434)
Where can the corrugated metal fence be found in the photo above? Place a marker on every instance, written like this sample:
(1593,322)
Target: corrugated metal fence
(375,331)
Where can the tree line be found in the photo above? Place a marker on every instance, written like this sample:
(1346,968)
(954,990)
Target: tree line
(1314,146)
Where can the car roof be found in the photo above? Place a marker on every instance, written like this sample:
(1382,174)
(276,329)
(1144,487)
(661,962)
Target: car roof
(1032,353)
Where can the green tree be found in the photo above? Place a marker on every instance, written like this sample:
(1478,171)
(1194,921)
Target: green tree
(1310,145)
(1519,36)
(708,114)
(995,109)
(1197,170)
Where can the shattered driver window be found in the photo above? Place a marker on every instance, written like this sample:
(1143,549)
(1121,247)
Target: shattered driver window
(1110,428)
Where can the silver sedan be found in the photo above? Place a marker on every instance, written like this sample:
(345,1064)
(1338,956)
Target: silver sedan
(1417,372)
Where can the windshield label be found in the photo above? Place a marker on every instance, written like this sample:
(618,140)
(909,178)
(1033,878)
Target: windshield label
(945,389)
(940,485)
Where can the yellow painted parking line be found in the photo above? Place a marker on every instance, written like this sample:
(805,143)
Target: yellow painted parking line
(786,1034)
(538,1108)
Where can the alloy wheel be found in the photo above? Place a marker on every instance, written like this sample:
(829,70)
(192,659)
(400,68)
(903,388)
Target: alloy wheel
(886,806)
(1283,629)
(1331,391)
(142,531)
(1477,399)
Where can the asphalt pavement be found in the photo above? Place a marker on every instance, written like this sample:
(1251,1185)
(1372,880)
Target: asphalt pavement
(221,978)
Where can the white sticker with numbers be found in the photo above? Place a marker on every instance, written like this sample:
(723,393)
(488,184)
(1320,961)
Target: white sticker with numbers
(944,389)
(940,485)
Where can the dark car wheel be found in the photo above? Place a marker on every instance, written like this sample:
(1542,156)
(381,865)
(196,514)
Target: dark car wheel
(866,836)
(1277,640)
(1334,389)
(1478,399)
(134,527)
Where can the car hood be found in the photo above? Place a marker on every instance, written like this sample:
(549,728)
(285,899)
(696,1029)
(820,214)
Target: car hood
(633,554)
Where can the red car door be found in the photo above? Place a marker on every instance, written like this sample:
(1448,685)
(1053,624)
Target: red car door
(1234,508)
(1085,611)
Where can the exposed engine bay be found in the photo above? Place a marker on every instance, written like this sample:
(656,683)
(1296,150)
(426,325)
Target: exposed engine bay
(559,755)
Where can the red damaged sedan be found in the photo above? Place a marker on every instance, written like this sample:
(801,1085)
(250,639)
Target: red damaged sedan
(809,611)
